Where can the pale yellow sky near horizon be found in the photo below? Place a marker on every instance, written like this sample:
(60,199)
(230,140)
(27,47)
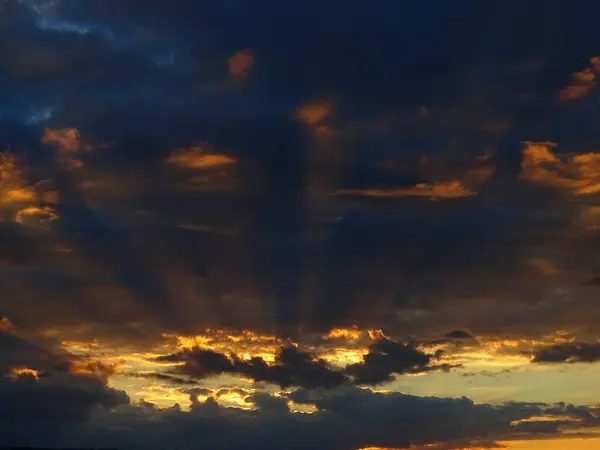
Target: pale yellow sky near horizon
(554,444)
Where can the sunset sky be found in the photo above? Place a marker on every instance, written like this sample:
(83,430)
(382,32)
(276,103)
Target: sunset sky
(265,225)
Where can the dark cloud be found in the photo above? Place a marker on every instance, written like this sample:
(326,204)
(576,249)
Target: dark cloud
(163,377)
(293,367)
(267,403)
(44,393)
(570,352)
(459,334)
(346,419)
(386,358)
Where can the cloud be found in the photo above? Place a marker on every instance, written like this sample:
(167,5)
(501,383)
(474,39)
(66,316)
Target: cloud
(68,144)
(583,83)
(459,334)
(67,140)
(34,214)
(448,189)
(199,157)
(293,367)
(240,63)
(386,358)
(568,352)
(345,419)
(267,403)
(162,377)
(13,185)
(45,392)
(579,173)
(314,112)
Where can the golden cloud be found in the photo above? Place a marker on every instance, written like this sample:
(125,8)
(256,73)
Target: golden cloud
(344,333)
(36,214)
(246,343)
(21,371)
(582,83)
(13,187)
(95,367)
(199,157)
(579,173)
(21,196)
(240,63)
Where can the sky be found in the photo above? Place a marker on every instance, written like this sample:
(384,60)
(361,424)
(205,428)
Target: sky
(261,225)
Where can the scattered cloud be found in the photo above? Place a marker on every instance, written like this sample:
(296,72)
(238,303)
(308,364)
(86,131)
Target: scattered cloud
(448,189)
(199,157)
(582,84)
(240,63)
(313,112)
(13,185)
(35,215)
(579,173)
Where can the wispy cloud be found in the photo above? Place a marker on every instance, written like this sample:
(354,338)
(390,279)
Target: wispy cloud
(582,84)
(199,157)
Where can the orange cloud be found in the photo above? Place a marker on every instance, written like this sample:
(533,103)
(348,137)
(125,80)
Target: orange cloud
(36,214)
(66,139)
(240,63)
(68,143)
(95,367)
(582,82)
(343,333)
(199,157)
(13,187)
(17,372)
(448,189)
(20,196)
(579,174)
(313,112)
(456,187)
(246,343)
